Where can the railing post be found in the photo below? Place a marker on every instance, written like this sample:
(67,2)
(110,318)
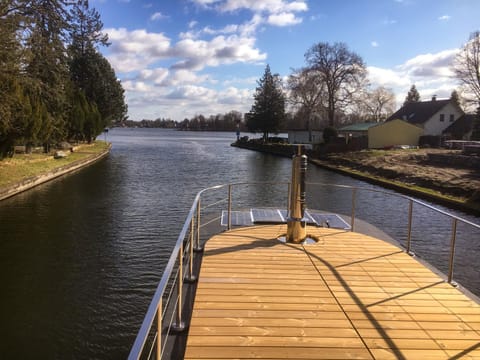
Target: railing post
(289,194)
(452,251)
(179,325)
(354,200)
(191,277)
(229,215)
(159,329)
(409,233)
(197,246)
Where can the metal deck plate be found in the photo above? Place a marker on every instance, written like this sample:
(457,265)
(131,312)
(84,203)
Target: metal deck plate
(238,218)
(279,216)
(333,221)
(271,216)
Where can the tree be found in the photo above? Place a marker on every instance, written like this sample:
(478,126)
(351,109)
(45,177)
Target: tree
(412,95)
(467,70)
(86,29)
(455,97)
(340,71)
(46,63)
(378,104)
(329,133)
(307,94)
(467,66)
(91,73)
(268,110)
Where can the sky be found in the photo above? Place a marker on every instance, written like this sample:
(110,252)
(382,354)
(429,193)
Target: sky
(181,58)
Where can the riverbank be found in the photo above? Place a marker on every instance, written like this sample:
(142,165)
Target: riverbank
(25,171)
(442,176)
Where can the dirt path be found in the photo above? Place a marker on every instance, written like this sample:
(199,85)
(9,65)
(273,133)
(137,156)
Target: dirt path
(445,171)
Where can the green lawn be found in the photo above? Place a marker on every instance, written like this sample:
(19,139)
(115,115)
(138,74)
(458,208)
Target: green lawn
(22,166)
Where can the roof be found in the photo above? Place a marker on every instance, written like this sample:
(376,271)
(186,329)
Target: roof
(419,112)
(358,127)
(404,122)
(463,125)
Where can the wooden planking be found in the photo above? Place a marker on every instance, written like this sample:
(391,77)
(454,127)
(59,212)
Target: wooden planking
(349,296)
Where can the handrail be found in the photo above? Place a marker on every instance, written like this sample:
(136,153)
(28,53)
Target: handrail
(153,308)
(185,246)
(400,196)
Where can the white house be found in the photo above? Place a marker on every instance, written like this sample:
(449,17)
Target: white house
(433,116)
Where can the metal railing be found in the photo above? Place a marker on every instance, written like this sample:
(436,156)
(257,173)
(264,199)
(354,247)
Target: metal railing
(165,314)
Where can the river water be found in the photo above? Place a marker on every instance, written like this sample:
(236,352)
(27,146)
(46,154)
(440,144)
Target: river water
(80,257)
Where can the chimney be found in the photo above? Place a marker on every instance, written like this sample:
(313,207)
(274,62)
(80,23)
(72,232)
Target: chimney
(434,98)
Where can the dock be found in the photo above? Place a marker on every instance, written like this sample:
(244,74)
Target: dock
(347,296)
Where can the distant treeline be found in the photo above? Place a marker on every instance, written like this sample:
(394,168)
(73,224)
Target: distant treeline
(230,121)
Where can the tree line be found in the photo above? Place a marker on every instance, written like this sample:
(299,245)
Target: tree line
(332,88)
(55,85)
(230,121)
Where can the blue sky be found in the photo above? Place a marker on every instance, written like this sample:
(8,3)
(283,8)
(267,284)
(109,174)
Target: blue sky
(180,58)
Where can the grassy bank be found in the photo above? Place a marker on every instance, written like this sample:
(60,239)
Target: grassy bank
(23,166)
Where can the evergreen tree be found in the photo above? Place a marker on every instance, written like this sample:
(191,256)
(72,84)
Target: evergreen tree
(10,50)
(412,96)
(455,98)
(86,29)
(92,74)
(46,63)
(268,110)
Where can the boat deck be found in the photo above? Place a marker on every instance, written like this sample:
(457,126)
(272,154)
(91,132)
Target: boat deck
(349,296)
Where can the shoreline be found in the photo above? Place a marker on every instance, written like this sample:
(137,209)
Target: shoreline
(407,189)
(33,181)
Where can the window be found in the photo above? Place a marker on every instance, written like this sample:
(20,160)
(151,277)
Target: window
(442,117)
(452,117)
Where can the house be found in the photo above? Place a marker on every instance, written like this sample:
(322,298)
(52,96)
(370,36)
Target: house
(305,136)
(461,129)
(393,133)
(432,116)
(356,130)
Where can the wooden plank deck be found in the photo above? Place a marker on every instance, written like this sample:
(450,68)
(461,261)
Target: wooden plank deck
(349,296)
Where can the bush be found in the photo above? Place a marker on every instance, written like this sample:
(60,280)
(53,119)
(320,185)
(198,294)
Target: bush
(329,133)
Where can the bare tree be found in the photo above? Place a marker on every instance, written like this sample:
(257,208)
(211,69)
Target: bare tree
(467,66)
(306,94)
(467,69)
(341,71)
(378,104)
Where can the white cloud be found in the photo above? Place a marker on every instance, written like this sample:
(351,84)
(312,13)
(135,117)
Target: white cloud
(387,77)
(444,18)
(273,12)
(268,6)
(431,73)
(186,101)
(428,65)
(157,16)
(389,21)
(137,50)
(283,19)
(196,54)
(374,44)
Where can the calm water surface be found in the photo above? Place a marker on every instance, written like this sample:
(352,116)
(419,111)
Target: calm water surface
(81,256)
